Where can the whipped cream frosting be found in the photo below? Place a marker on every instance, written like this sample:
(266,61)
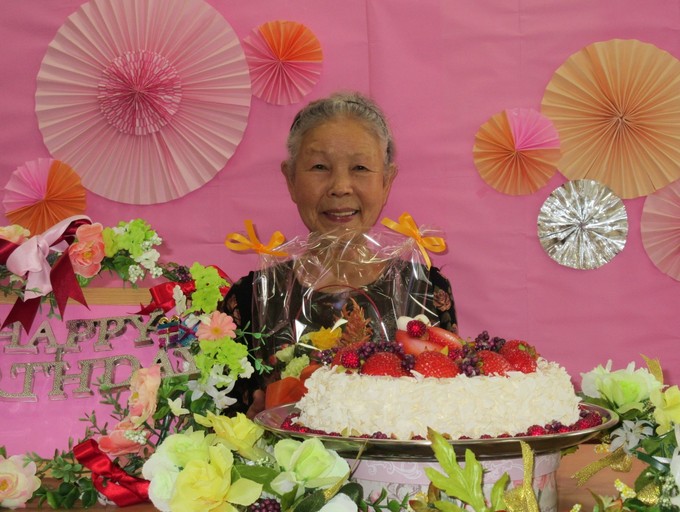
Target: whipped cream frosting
(355,404)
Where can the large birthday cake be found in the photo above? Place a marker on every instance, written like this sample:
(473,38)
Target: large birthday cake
(488,387)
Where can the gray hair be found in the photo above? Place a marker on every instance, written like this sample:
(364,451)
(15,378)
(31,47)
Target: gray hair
(350,104)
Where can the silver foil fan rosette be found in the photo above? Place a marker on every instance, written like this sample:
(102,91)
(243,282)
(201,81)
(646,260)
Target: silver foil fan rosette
(583,225)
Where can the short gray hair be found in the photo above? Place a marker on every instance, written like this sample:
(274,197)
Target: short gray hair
(347,104)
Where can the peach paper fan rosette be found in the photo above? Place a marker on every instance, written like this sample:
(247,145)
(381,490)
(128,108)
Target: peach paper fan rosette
(41,193)
(285,60)
(616,106)
(516,151)
(148,99)
(660,227)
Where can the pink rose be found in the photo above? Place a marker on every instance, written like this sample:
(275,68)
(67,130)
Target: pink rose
(144,386)
(17,482)
(124,439)
(86,257)
(90,233)
(14,233)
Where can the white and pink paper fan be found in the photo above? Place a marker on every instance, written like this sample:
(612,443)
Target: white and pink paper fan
(660,227)
(148,99)
(41,193)
(516,151)
(285,61)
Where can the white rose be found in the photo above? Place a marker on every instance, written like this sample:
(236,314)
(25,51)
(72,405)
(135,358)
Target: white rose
(340,503)
(162,474)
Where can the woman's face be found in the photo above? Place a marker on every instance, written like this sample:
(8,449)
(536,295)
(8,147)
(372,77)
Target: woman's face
(339,178)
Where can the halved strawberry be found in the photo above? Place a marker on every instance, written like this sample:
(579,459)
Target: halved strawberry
(383,363)
(415,346)
(435,338)
(493,363)
(443,337)
(432,363)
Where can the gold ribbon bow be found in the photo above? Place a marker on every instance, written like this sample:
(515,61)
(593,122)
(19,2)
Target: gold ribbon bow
(523,498)
(407,226)
(238,242)
(618,460)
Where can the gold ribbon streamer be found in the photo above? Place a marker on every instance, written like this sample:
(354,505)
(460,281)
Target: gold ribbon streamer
(238,242)
(654,366)
(523,498)
(618,460)
(408,227)
(649,494)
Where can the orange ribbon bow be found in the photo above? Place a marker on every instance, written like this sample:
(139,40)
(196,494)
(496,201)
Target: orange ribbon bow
(238,242)
(408,227)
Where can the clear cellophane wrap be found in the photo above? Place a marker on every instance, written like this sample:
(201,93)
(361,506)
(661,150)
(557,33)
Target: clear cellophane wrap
(364,280)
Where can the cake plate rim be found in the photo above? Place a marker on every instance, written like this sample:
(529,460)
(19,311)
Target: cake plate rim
(420,449)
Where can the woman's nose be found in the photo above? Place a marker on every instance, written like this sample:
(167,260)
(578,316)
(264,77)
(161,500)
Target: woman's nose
(341,182)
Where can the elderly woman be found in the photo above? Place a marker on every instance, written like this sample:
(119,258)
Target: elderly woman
(339,172)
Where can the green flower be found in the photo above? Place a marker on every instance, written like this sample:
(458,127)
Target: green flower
(182,448)
(223,352)
(625,389)
(295,366)
(208,283)
(307,464)
(666,408)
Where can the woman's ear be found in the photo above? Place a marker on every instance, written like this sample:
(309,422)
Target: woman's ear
(289,175)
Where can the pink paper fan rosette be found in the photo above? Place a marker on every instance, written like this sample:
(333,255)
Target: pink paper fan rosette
(41,193)
(660,227)
(516,151)
(148,99)
(285,61)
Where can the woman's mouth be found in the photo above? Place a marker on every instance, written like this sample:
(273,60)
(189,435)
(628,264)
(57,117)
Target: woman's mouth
(340,215)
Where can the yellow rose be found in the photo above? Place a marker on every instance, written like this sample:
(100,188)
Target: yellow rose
(666,408)
(239,434)
(206,485)
(186,447)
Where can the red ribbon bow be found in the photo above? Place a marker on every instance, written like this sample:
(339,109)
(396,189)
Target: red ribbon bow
(108,478)
(161,294)
(63,281)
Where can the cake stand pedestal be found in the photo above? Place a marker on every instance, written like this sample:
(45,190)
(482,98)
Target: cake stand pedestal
(408,478)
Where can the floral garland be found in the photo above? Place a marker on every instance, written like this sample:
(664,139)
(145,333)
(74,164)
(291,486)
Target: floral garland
(54,266)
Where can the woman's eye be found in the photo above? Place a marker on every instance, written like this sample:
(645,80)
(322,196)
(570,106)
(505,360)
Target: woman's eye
(360,168)
(320,167)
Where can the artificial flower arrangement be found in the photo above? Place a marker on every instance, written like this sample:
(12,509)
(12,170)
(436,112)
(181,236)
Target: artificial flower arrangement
(53,266)
(174,442)
(649,429)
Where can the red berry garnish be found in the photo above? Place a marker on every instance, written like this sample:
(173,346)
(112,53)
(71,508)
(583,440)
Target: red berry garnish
(416,328)
(350,359)
(536,430)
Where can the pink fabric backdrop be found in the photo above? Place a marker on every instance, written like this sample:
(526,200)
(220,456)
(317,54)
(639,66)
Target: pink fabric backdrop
(440,68)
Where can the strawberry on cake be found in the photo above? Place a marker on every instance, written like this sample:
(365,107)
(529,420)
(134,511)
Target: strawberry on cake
(487,387)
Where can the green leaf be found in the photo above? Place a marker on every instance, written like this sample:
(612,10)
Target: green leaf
(311,503)
(354,491)
(463,484)
(498,492)
(447,506)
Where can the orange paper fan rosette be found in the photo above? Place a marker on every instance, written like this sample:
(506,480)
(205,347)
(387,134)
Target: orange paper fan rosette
(285,59)
(516,151)
(660,227)
(41,193)
(148,99)
(616,106)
